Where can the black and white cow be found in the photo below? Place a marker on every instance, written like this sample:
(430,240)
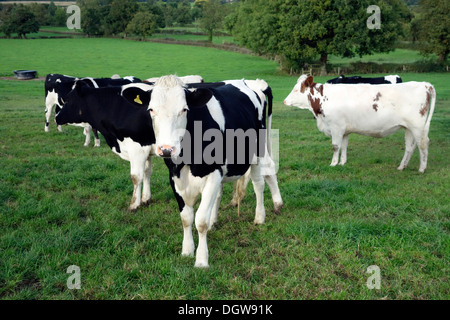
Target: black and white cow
(195,132)
(391,79)
(127,128)
(57,86)
(263,90)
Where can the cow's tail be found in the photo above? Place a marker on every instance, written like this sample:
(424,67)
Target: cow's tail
(268,93)
(431,101)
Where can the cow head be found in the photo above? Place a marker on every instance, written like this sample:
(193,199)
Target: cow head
(74,108)
(168,103)
(299,95)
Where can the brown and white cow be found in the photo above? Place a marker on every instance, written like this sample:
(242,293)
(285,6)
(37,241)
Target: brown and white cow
(377,111)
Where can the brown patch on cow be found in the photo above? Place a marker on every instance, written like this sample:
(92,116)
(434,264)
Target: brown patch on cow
(134,179)
(377,97)
(315,104)
(426,106)
(320,89)
(375,107)
(309,82)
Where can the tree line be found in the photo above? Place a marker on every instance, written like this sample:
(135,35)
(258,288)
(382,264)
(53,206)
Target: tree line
(295,32)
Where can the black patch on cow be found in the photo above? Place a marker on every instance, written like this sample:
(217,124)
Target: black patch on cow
(239,113)
(358,79)
(110,113)
(137,96)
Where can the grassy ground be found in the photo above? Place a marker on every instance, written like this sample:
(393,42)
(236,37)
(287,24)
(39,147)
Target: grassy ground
(63,204)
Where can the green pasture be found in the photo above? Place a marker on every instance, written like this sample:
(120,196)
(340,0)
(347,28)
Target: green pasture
(63,204)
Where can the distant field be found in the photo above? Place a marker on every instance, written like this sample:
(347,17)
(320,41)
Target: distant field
(397,56)
(63,204)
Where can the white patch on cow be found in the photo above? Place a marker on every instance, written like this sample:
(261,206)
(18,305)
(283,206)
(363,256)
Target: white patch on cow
(216,112)
(391,78)
(58,81)
(92,81)
(242,86)
(189,188)
(142,86)
(50,101)
(185,79)
(140,168)
(192,79)
(129,78)
(168,111)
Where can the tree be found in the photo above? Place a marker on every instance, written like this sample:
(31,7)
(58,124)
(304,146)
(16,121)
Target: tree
(21,21)
(435,27)
(120,14)
(211,18)
(156,9)
(183,13)
(300,31)
(143,24)
(94,13)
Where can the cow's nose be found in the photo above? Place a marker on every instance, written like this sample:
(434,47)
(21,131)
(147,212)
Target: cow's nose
(165,151)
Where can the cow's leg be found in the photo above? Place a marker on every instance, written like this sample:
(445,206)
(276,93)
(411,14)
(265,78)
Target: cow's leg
(268,170)
(48,113)
(422,141)
(344,150)
(50,101)
(239,190)
(187,218)
(275,192)
(258,186)
(215,209)
(57,110)
(137,165)
(410,146)
(96,138)
(87,132)
(146,193)
(203,214)
(336,140)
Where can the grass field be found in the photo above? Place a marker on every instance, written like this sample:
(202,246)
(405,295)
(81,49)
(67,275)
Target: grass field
(63,204)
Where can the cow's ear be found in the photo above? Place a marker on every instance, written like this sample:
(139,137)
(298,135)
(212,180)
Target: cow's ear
(137,96)
(198,98)
(309,81)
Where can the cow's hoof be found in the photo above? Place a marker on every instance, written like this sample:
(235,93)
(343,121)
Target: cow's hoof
(146,203)
(202,265)
(277,208)
(47,129)
(132,209)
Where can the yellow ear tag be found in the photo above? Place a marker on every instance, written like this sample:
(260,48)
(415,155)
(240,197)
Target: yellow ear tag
(138,100)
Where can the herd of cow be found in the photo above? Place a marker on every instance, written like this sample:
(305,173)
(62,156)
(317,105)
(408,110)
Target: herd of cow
(164,117)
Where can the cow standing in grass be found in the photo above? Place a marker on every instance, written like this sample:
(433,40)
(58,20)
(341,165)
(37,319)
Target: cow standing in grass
(58,86)
(377,111)
(127,129)
(178,113)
